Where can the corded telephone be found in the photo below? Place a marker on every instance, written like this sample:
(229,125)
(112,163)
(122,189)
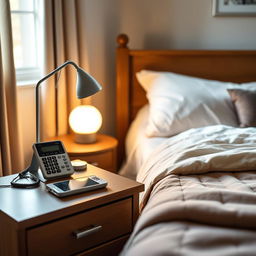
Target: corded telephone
(53,159)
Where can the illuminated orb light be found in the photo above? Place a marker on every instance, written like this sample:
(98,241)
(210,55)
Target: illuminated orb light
(85,121)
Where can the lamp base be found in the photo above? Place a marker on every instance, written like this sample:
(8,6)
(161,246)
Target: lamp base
(85,138)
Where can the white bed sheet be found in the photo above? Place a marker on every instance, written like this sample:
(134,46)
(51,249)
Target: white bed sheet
(138,145)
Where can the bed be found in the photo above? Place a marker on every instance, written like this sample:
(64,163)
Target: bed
(196,155)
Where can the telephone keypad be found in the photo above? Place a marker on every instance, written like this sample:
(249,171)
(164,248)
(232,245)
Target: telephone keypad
(52,166)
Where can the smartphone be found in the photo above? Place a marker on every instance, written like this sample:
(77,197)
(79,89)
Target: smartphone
(75,186)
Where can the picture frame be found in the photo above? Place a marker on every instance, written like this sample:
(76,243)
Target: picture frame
(234,8)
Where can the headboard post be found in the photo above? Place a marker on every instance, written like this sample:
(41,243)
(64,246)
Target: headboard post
(122,93)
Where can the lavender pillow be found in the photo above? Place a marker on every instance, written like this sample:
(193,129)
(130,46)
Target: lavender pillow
(245,105)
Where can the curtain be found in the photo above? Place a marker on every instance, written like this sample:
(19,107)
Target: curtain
(10,144)
(64,39)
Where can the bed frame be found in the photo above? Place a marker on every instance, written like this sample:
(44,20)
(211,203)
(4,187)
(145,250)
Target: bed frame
(224,65)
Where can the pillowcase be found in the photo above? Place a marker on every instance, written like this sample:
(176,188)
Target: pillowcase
(179,102)
(245,105)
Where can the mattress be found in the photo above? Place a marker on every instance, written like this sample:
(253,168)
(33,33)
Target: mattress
(138,145)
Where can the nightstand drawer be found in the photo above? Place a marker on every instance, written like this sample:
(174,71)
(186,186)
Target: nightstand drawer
(105,160)
(81,231)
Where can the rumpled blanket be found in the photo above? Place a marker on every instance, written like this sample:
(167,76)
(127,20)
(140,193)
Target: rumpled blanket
(200,195)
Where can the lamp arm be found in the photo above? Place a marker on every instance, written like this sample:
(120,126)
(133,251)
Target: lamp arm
(37,95)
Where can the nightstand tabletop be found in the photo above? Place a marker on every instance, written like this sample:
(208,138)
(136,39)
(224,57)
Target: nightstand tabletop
(30,205)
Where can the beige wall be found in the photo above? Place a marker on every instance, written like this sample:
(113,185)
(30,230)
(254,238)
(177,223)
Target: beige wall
(177,24)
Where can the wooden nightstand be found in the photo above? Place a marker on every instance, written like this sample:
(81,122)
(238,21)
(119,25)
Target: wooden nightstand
(35,222)
(102,153)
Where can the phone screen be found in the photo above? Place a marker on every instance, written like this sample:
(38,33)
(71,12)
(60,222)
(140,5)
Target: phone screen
(68,185)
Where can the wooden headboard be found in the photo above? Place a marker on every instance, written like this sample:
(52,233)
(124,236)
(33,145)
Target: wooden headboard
(224,65)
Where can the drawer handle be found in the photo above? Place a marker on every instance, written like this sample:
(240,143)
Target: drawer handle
(91,230)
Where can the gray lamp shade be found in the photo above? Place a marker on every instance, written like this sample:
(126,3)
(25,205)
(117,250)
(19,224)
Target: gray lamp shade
(86,85)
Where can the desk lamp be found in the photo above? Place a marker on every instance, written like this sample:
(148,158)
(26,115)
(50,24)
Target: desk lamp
(86,86)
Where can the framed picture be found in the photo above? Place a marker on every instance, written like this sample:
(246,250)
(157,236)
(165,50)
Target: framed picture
(234,7)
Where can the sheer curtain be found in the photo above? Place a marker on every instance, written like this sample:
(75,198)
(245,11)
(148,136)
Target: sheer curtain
(64,39)
(10,150)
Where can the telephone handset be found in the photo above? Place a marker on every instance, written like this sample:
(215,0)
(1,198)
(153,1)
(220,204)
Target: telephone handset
(53,159)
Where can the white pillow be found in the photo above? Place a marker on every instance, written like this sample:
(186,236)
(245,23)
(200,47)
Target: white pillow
(179,102)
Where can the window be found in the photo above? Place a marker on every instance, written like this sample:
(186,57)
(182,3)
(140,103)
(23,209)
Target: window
(25,23)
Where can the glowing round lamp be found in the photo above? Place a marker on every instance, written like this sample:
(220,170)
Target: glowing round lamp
(85,121)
